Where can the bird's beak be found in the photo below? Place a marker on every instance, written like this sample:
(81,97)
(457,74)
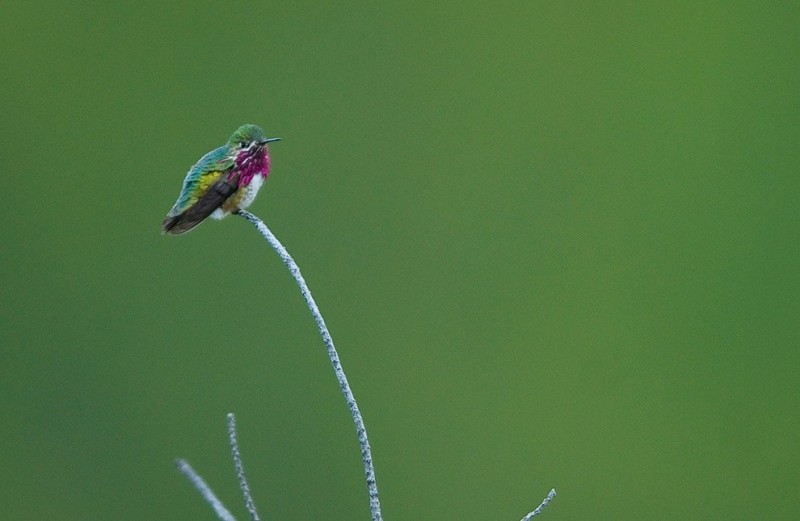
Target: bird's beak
(269,140)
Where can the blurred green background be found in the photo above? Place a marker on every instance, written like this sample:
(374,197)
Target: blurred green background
(556,244)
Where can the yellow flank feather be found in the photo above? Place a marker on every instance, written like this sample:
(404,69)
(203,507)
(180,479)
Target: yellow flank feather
(206,180)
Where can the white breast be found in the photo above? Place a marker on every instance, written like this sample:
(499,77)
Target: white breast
(252,191)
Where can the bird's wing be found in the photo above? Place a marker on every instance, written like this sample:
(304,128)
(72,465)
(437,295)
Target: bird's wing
(225,186)
(205,173)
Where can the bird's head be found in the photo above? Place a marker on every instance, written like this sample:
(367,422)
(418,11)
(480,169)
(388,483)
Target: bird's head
(248,140)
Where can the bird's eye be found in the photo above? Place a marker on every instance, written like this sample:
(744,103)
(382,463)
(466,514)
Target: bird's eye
(243,144)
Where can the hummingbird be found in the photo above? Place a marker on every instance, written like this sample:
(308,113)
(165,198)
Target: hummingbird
(223,181)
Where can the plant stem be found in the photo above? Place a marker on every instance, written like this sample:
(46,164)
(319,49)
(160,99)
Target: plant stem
(538,510)
(361,430)
(237,463)
(194,478)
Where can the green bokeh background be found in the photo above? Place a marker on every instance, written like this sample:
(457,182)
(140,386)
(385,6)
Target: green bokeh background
(556,244)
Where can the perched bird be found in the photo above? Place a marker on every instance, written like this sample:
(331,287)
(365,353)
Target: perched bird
(223,181)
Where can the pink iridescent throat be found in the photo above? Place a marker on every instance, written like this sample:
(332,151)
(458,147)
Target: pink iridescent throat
(249,165)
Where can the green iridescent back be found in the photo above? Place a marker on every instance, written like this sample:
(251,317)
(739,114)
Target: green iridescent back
(218,160)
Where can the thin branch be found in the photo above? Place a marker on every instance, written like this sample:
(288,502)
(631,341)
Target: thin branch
(538,510)
(194,478)
(237,462)
(361,431)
